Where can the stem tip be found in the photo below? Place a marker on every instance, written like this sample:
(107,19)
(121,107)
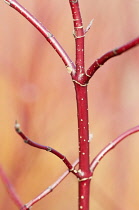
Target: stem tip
(17,127)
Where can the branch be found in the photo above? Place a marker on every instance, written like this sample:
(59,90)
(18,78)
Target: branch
(45,32)
(49,189)
(49,149)
(110,146)
(117,51)
(10,189)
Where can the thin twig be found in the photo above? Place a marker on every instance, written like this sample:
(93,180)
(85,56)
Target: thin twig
(50,188)
(45,32)
(47,148)
(10,189)
(110,146)
(115,52)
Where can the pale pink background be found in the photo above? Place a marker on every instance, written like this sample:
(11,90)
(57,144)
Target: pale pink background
(36,90)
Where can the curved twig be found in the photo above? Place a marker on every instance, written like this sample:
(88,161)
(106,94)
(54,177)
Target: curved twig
(45,32)
(110,146)
(47,148)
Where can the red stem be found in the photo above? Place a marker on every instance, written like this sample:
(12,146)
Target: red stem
(82,108)
(79,39)
(46,148)
(111,145)
(83,134)
(10,188)
(117,51)
(45,32)
(83,127)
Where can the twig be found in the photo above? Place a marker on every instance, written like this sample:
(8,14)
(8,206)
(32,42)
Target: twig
(45,32)
(117,51)
(49,189)
(10,189)
(49,149)
(110,146)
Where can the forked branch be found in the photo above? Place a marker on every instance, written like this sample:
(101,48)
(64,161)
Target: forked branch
(47,148)
(111,145)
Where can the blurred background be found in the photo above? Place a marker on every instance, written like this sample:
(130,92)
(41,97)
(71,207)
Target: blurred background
(36,90)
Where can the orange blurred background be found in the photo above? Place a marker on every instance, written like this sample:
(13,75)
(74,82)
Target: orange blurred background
(36,90)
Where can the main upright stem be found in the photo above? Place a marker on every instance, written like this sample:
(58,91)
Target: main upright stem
(82,108)
(83,135)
